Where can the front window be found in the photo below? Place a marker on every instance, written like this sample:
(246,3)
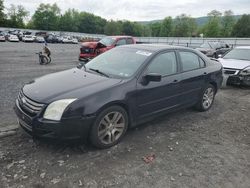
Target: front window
(107,41)
(164,64)
(242,54)
(119,62)
(121,42)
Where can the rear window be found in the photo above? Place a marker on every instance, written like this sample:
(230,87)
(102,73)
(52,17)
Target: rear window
(190,61)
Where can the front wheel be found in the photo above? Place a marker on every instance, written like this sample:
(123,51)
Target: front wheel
(109,128)
(43,60)
(207,98)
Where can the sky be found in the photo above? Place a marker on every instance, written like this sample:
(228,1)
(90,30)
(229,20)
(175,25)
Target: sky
(141,10)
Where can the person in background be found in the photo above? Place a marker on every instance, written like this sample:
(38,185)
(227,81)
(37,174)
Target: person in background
(46,50)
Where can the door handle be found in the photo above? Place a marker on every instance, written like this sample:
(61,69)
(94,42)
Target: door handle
(175,81)
(205,73)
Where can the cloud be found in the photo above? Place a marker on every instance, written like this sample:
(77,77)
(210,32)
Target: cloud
(142,9)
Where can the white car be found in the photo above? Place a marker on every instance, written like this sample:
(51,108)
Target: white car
(236,65)
(74,41)
(2,38)
(67,40)
(28,38)
(13,38)
(39,39)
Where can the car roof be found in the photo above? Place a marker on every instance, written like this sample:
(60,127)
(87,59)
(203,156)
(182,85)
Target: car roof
(242,47)
(154,47)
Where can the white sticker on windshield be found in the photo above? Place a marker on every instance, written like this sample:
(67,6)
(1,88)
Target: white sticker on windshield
(144,53)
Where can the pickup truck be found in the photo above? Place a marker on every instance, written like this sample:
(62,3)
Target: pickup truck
(89,50)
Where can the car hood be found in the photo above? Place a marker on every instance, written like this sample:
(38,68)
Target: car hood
(90,44)
(94,45)
(73,83)
(234,63)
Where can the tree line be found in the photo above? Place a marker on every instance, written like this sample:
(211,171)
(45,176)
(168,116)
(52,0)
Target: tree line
(49,17)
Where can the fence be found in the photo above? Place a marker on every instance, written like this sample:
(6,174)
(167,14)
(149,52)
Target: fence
(179,41)
(193,42)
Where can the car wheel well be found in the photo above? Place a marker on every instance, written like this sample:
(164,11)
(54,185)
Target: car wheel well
(215,85)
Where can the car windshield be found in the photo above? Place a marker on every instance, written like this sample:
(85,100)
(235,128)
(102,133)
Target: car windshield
(236,53)
(118,62)
(107,41)
(208,45)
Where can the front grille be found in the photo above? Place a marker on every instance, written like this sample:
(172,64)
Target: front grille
(86,50)
(229,71)
(29,106)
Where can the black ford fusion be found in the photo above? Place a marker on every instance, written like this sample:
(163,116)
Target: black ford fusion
(119,89)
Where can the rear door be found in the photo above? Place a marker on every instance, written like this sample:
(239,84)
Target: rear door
(160,96)
(193,76)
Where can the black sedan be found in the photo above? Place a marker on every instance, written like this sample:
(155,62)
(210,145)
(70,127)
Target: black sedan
(117,90)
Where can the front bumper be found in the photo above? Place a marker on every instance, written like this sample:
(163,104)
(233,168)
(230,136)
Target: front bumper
(239,80)
(70,128)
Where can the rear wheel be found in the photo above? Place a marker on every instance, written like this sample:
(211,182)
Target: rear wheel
(206,99)
(109,127)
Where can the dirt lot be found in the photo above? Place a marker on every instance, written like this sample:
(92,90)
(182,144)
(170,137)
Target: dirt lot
(191,149)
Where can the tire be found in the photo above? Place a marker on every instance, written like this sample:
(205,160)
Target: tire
(206,99)
(43,60)
(109,128)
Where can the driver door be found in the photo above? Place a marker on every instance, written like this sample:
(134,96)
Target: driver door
(155,97)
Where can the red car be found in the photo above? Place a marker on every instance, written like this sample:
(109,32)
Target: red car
(90,50)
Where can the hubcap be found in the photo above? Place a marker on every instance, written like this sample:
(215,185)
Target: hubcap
(111,127)
(208,98)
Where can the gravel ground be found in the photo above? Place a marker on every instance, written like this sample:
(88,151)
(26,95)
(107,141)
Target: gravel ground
(191,149)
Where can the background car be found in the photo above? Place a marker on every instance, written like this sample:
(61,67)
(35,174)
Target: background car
(236,65)
(51,38)
(13,38)
(39,39)
(213,49)
(74,41)
(28,38)
(89,50)
(2,38)
(67,39)
(117,90)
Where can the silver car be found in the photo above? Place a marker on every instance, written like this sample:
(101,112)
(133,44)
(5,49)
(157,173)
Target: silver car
(236,65)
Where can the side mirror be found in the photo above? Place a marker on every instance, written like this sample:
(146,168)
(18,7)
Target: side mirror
(151,77)
(219,56)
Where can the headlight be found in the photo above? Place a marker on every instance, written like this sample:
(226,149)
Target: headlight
(55,110)
(245,72)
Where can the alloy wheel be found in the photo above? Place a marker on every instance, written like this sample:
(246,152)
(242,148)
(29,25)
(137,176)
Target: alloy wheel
(111,127)
(208,98)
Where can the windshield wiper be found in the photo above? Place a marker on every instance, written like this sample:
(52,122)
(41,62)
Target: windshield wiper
(99,72)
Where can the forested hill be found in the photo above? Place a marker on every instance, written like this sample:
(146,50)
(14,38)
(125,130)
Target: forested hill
(201,21)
